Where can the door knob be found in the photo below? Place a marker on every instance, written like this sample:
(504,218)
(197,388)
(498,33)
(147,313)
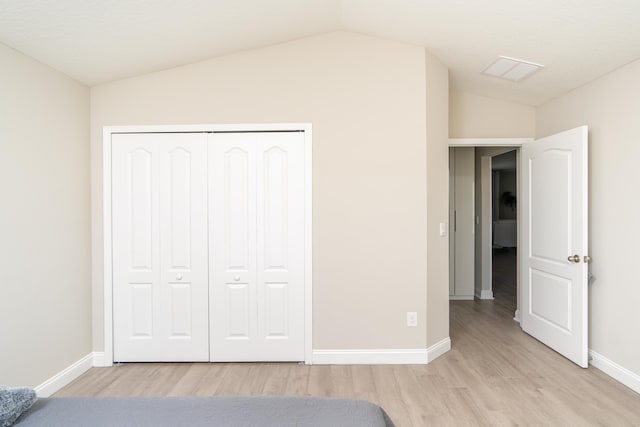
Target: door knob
(574,258)
(178,276)
(236,278)
(587,259)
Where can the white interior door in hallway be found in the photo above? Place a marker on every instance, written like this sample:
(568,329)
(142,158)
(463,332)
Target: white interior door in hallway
(208,246)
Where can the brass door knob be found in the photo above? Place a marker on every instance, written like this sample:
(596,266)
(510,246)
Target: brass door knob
(573,258)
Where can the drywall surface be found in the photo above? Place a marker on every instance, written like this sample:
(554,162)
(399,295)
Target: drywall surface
(475,116)
(463,228)
(366,100)
(45,295)
(437,116)
(609,106)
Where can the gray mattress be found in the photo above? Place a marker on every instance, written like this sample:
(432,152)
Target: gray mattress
(203,411)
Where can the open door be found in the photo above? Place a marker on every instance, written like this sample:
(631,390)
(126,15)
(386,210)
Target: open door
(554,246)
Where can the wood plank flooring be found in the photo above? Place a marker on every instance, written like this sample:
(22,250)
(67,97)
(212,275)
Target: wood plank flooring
(494,375)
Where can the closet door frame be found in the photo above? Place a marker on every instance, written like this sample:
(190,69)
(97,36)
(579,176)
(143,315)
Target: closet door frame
(108,131)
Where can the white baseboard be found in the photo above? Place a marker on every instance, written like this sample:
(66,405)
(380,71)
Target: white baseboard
(461,297)
(371,357)
(615,371)
(410,356)
(98,359)
(438,349)
(65,376)
(516,316)
(486,294)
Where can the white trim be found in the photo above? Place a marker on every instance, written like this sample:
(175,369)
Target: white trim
(99,359)
(519,231)
(64,377)
(107,356)
(438,349)
(308,238)
(417,356)
(407,356)
(107,260)
(461,297)
(229,127)
(486,294)
(487,142)
(615,371)
(486,227)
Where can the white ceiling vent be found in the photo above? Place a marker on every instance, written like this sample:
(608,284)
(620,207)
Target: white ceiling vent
(512,69)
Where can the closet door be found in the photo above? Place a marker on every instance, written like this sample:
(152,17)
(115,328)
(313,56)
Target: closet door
(160,277)
(256,244)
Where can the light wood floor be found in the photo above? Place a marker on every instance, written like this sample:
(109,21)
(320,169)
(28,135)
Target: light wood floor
(494,375)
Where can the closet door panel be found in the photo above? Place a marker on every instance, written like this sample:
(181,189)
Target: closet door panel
(232,250)
(160,278)
(256,185)
(237,301)
(140,226)
(183,243)
(236,205)
(135,190)
(280,244)
(208,246)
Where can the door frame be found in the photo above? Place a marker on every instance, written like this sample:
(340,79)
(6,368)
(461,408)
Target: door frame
(107,131)
(500,142)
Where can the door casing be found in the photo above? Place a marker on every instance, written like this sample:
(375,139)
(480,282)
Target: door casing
(306,128)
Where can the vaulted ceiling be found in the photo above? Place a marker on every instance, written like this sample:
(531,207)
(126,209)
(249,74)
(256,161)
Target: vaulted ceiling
(97,41)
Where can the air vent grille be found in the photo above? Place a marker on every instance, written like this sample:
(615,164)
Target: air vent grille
(512,69)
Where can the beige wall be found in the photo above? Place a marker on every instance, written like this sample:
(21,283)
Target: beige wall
(45,294)
(462,219)
(437,114)
(609,106)
(366,100)
(474,116)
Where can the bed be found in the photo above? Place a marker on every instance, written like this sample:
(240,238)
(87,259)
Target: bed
(203,411)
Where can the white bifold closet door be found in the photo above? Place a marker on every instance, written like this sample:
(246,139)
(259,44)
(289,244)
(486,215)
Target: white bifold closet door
(208,246)
(256,246)
(160,273)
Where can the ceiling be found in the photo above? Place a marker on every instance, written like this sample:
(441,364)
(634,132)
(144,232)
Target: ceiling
(97,41)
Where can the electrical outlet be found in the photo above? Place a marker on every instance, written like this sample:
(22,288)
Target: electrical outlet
(412,318)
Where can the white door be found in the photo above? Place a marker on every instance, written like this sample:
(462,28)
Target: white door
(555,242)
(159,214)
(256,244)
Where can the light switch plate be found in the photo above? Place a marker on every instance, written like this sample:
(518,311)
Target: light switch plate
(412,318)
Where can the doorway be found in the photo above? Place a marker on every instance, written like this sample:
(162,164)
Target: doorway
(504,221)
(488,224)
(552,285)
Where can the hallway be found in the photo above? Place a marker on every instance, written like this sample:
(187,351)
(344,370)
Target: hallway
(504,276)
